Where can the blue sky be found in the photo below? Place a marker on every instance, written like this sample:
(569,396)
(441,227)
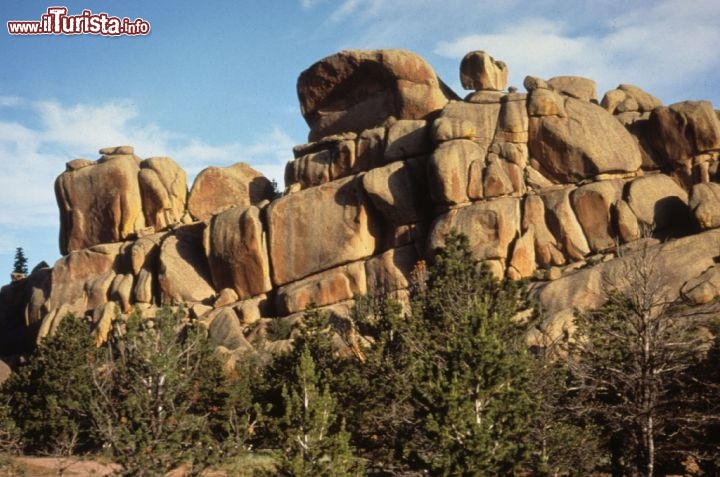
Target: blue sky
(215,84)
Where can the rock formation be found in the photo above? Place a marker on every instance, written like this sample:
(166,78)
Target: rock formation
(548,185)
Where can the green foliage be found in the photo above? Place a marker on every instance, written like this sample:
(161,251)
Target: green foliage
(20,265)
(562,442)
(316,442)
(49,396)
(159,394)
(470,372)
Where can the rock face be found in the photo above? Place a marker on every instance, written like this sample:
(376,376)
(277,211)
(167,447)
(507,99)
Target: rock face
(357,90)
(337,212)
(544,184)
(237,252)
(99,203)
(218,188)
(480,71)
(584,144)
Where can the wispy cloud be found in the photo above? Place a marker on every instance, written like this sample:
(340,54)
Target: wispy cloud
(35,150)
(658,46)
(10,101)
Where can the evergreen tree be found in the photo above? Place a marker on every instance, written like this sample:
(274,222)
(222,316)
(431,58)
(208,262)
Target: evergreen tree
(159,393)
(49,396)
(20,264)
(316,442)
(470,372)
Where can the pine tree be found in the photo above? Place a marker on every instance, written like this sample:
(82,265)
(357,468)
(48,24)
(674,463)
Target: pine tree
(50,395)
(20,263)
(316,442)
(470,393)
(158,391)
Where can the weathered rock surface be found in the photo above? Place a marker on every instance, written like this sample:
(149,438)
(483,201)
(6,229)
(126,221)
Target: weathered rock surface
(592,205)
(100,203)
(546,185)
(586,143)
(480,71)
(490,226)
(324,288)
(319,228)
(183,271)
(218,188)
(705,204)
(357,89)
(681,131)
(575,87)
(163,185)
(660,204)
(399,191)
(449,168)
(237,252)
(674,263)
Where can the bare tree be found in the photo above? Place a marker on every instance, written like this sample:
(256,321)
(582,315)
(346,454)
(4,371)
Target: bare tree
(630,358)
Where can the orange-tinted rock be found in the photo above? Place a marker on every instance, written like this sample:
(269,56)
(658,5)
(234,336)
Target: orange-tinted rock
(356,90)
(324,288)
(100,203)
(237,252)
(590,141)
(705,204)
(399,190)
(480,71)
(163,187)
(681,131)
(483,117)
(490,226)
(448,170)
(184,275)
(563,223)
(576,87)
(390,271)
(592,203)
(319,228)
(218,188)
(659,203)
(546,246)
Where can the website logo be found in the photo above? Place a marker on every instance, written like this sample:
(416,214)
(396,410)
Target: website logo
(57,22)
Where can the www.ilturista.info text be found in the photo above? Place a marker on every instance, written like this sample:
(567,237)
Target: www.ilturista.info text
(57,22)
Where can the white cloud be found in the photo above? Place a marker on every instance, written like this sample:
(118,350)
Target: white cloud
(660,46)
(10,101)
(33,156)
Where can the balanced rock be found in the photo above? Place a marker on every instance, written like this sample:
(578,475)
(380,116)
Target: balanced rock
(218,188)
(356,90)
(480,71)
